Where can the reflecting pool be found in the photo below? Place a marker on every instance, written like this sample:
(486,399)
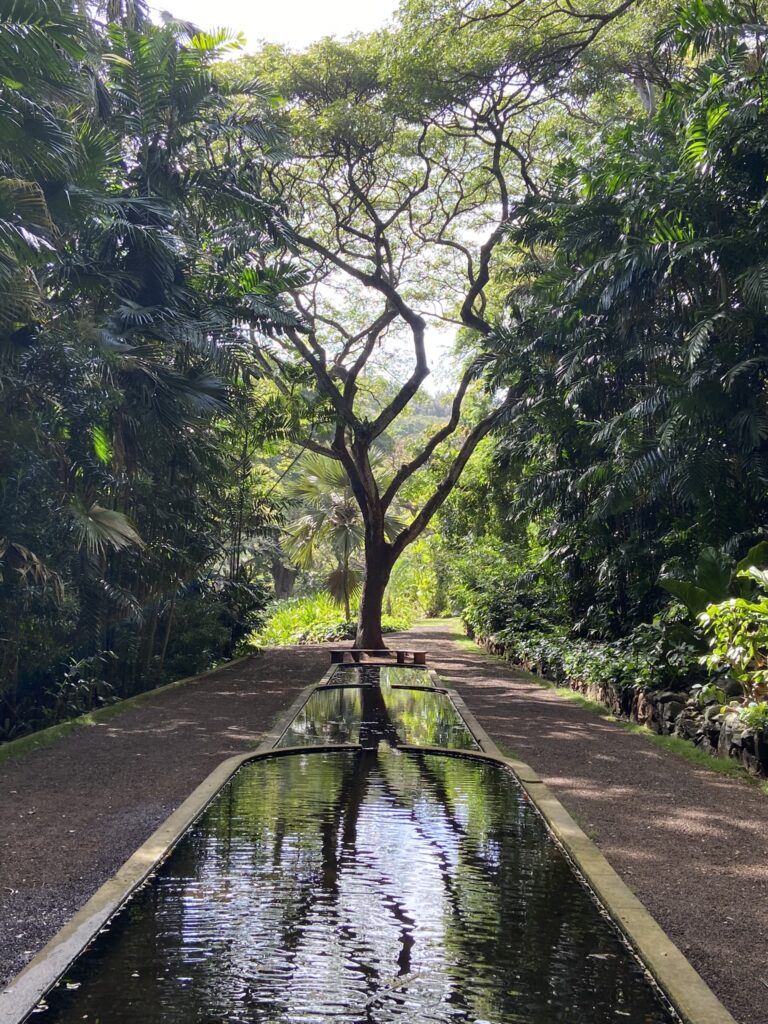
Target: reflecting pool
(381,675)
(370,714)
(361,886)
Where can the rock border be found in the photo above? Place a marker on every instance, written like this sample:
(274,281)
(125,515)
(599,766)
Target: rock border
(722,735)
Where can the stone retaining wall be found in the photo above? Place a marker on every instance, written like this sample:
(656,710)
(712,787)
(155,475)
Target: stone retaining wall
(668,713)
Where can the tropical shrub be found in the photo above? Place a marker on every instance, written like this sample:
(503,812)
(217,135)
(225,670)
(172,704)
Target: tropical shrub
(314,620)
(497,588)
(738,632)
(755,715)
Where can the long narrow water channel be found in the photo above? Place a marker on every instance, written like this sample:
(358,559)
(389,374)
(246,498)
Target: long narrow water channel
(365,885)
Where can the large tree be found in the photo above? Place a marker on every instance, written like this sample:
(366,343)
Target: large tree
(401,189)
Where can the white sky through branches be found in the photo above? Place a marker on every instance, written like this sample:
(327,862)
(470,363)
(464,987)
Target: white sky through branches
(295,22)
(298,23)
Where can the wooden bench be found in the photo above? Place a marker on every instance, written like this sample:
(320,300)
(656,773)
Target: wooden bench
(357,654)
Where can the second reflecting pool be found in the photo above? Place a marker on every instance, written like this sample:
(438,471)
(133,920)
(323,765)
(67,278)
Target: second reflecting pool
(369,715)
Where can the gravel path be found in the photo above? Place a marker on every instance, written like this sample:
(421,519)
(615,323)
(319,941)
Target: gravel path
(691,843)
(74,811)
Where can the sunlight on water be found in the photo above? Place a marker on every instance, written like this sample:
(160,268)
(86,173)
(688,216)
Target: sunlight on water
(361,886)
(381,675)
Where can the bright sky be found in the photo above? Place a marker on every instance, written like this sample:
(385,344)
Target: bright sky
(295,22)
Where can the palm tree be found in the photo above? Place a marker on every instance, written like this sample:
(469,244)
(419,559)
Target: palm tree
(124,350)
(329,516)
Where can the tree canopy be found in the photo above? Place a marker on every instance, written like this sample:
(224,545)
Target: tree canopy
(402,187)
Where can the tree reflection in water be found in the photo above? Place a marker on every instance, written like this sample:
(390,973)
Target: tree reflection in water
(370,885)
(370,713)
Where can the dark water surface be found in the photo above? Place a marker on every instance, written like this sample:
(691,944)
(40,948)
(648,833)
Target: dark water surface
(356,887)
(369,714)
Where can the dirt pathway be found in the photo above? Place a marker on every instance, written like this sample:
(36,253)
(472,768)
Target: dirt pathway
(691,843)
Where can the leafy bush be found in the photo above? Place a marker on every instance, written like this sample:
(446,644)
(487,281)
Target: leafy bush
(739,635)
(211,622)
(417,581)
(314,620)
(82,689)
(707,693)
(755,715)
(519,604)
(496,591)
(559,656)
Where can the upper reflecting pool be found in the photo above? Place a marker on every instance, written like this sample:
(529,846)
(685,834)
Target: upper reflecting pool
(381,675)
(361,887)
(369,715)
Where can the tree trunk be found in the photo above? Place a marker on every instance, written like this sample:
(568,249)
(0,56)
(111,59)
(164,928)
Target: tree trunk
(377,570)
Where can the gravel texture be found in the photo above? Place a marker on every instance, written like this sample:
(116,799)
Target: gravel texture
(691,843)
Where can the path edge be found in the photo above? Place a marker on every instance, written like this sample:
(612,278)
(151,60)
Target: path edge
(20,996)
(13,750)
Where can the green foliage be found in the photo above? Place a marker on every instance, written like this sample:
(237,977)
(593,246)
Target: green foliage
(130,422)
(738,632)
(707,693)
(499,591)
(711,581)
(716,575)
(81,689)
(755,715)
(626,663)
(417,586)
(328,517)
(313,620)
(515,598)
(636,333)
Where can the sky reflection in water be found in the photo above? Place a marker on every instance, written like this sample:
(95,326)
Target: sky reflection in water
(361,886)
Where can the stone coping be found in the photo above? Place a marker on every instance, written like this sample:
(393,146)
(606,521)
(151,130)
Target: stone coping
(689,994)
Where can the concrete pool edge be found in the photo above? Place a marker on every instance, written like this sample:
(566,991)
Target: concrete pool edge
(691,997)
